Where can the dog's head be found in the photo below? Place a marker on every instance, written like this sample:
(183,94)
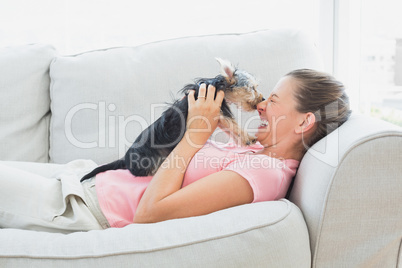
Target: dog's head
(242,87)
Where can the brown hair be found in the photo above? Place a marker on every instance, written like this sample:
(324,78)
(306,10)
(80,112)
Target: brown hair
(323,95)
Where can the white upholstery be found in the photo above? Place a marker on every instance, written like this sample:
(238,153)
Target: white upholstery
(245,236)
(349,188)
(24,102)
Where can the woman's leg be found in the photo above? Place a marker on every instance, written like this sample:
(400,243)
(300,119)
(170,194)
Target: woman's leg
(34,202)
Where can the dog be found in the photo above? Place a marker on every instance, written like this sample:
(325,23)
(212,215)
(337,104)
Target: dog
(156,142)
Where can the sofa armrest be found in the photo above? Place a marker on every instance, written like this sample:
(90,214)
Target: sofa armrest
(266,234)
(349,189)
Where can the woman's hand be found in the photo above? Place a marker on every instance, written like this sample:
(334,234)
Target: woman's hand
(203,115)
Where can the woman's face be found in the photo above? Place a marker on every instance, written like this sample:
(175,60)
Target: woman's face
(278,114)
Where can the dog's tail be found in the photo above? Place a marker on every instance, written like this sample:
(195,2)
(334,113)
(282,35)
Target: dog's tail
(118,164)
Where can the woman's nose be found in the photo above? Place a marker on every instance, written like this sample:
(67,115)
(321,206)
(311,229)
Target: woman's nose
(261,106)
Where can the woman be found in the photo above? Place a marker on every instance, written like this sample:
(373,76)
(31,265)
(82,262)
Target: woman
(199,176)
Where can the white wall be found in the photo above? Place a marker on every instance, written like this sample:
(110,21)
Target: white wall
(73,26)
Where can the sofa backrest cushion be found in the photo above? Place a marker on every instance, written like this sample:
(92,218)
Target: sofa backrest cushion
(24,102)
(101,100)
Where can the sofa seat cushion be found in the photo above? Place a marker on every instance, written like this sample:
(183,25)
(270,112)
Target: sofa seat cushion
(25,102)
(266,234)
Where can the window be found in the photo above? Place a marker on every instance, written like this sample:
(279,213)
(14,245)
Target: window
(368,55)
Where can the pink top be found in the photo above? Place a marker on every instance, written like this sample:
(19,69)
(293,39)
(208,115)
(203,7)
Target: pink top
(119,192)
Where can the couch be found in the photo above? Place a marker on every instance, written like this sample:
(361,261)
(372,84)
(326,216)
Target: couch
(344,208)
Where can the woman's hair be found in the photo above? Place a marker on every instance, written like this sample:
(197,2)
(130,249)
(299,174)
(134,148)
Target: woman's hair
(325,97)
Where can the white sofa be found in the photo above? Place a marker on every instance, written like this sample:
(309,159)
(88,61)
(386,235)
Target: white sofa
(344,209)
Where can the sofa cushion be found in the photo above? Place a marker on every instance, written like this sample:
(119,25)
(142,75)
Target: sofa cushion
(101,100)
(24,102)
(267,234)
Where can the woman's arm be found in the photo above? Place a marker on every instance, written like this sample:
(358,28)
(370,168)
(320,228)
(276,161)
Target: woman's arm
(164,198)
(217,191)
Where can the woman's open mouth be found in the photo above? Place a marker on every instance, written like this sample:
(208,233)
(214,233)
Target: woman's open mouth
(264,123)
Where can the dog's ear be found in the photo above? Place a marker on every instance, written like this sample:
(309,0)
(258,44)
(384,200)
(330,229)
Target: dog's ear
(227,69)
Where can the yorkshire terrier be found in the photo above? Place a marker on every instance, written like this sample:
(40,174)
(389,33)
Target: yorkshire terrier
(155,143)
